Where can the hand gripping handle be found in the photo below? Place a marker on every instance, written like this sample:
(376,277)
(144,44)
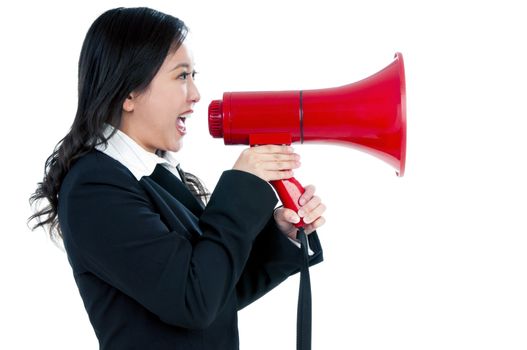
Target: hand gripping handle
(289,191)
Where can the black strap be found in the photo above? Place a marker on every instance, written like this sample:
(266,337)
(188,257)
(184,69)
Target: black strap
(303,322)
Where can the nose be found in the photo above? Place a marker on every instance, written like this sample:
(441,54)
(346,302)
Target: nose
(193,93)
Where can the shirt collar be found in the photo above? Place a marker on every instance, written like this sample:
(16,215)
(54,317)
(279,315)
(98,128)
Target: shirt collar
(139,161)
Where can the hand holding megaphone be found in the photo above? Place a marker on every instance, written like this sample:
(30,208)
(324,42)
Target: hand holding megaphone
(369,115)
(275,164)
(269,162)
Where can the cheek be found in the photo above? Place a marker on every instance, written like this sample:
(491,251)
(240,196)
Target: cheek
(162,105)
(171,101)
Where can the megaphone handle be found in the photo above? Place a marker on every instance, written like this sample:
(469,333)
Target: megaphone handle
(289,191)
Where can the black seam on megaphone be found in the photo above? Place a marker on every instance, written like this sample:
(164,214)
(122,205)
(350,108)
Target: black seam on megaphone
(301,113)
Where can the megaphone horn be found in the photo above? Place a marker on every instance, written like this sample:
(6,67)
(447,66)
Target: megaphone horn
(369,115)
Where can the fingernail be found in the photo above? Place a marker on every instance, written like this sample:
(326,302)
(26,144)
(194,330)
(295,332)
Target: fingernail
(302,201)
(295,219)
(301,212)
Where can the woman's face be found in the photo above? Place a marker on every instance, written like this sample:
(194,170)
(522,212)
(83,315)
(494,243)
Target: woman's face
(155,118)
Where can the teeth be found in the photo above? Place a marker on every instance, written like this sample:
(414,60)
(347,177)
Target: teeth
(184,116)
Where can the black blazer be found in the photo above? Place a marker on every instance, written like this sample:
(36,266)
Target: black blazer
(155,269)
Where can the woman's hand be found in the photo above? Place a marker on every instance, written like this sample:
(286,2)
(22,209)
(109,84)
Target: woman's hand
(269,162)
(311,211)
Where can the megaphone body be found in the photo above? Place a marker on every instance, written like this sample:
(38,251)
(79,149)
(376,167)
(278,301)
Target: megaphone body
(369,115)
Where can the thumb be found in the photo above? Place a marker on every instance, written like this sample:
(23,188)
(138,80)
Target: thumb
(288,215)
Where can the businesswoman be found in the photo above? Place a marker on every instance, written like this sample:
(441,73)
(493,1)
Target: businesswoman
(159,264)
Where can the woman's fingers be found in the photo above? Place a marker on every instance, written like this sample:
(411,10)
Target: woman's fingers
(307,195)
(269,162)
(315,225)
(310,207)
(314,214)
(284,214)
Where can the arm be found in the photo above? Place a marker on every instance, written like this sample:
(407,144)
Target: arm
(107,219)
(273,259)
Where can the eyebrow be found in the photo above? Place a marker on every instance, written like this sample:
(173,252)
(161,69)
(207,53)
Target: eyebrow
(180,65)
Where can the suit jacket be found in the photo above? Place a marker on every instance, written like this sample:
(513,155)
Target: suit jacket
(157,270)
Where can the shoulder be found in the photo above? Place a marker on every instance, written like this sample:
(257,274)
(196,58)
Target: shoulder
(95,188)
(95,168)
(98,165)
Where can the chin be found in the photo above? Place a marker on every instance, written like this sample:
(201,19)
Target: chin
(176,147)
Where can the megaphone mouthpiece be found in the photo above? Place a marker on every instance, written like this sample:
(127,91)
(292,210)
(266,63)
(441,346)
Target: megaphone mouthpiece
(215,119)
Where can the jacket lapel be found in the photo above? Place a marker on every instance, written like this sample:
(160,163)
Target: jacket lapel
(173,185)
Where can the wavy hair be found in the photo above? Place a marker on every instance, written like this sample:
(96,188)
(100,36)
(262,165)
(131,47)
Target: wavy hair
(122,52)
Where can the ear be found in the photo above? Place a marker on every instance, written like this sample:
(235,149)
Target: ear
(128,104)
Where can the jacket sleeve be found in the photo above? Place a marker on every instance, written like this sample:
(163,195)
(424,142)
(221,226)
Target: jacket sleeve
(273,259)
(108,220)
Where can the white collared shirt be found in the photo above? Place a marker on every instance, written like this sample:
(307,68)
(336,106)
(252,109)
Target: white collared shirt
(129,153)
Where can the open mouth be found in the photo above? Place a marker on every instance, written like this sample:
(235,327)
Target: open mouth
(181,123)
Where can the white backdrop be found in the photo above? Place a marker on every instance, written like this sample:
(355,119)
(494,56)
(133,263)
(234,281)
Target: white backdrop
(434,260)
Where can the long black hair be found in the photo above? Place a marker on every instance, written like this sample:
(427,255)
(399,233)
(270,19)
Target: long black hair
(122,52)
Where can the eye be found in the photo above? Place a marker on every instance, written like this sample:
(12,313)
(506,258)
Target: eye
(184,75)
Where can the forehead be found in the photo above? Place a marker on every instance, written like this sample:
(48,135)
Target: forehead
(182,55)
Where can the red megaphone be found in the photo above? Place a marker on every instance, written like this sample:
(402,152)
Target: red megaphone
(369,115)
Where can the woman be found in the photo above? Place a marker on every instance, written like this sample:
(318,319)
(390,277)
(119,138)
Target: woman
(156,268)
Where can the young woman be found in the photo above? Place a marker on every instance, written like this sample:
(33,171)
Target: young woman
(155,266)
